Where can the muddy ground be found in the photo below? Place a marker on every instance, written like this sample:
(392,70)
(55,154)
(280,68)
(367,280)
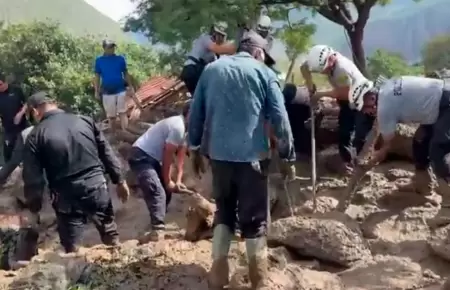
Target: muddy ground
(382,243)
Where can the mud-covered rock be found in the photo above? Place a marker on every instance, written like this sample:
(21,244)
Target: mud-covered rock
(18,241)
(291,277)
(401,146)
(52,271)
(440,242)
(200,217)
(384,272)
(328,237)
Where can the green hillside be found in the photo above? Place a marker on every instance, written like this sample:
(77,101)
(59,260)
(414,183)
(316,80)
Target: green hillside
(75,16)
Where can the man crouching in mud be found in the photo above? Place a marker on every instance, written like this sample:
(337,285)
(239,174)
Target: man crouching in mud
(73,154)
(235,97)
(410,99)
(151,161)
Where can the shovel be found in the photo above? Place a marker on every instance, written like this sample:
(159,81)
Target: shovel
(358,174)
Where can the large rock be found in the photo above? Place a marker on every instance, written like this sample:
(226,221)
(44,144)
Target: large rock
(384,272)
(200,217)
(440,242)
(292,276)
(401,146)
(52,271)
(328,237)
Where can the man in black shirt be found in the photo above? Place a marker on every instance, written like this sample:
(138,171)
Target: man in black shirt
(74,155)
(12,114)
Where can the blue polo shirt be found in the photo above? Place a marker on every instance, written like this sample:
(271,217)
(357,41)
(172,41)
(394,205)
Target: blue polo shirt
(111,69)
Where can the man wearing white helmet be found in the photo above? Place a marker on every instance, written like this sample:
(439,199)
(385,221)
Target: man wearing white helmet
(205,50)
(341,73)
(409,99)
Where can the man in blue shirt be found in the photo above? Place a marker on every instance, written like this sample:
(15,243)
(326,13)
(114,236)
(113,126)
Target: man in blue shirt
(235,97)
(111,78)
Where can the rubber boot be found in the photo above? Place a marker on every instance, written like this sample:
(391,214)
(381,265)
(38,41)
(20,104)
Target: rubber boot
(258,264)
(219,274)
(421,183)
(446,285)
(442,218)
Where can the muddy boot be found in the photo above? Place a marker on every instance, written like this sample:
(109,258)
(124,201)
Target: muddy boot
(258,264)
(442,218)
(218,277)
(446,285)
(421,183)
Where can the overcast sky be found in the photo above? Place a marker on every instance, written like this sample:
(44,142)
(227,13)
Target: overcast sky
(115,9)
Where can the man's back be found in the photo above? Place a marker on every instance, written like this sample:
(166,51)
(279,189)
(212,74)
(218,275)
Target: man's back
(410,100)
(235,91)
(153,140)
(66,147)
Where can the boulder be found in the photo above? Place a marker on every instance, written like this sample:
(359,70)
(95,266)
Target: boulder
(52,271)
(331,237)
(200,217)
(440,242)
(384,272)
(291,277)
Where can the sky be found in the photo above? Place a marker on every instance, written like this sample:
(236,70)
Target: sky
(115,9)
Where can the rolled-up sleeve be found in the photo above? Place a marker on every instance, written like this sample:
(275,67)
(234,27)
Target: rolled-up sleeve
(33,175)
(197,114)
(279,120)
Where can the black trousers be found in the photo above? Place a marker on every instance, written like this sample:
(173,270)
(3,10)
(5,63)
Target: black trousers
(352,124)
(9,141)
(190,75)
(439,148)
(241,194)
(88,202)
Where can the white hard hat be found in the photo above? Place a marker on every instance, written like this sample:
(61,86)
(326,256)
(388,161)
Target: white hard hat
(357,92)
(318,57)
(264,22)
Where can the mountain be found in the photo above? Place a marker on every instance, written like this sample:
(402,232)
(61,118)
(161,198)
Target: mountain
(75,16)
(402,26)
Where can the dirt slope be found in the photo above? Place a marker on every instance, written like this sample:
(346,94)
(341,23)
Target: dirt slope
(383,243)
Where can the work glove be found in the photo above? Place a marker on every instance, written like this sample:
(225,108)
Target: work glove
(123,192)
(198,164)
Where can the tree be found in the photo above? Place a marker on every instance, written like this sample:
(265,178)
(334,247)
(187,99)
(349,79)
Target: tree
(436,54)
(296,37)
(43,57)
(180,21)
(389,64)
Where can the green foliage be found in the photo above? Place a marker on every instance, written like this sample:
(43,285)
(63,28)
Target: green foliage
(436,53)
(43,57)
(74,16)
(179,22)
(296,36)
(390,64)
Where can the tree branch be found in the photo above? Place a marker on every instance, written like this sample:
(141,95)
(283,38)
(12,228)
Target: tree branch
(364,12)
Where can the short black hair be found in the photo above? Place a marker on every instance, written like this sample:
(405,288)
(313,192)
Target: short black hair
(289,93)
(40,98)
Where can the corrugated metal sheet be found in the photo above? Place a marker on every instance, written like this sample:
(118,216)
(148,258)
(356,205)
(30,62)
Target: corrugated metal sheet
(154,89)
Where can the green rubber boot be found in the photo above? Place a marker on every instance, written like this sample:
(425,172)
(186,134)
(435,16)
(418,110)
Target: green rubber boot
(219,274)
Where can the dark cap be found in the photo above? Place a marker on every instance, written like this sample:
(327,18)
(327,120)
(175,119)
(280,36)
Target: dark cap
(38,99)
(254,39)
(108,43)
